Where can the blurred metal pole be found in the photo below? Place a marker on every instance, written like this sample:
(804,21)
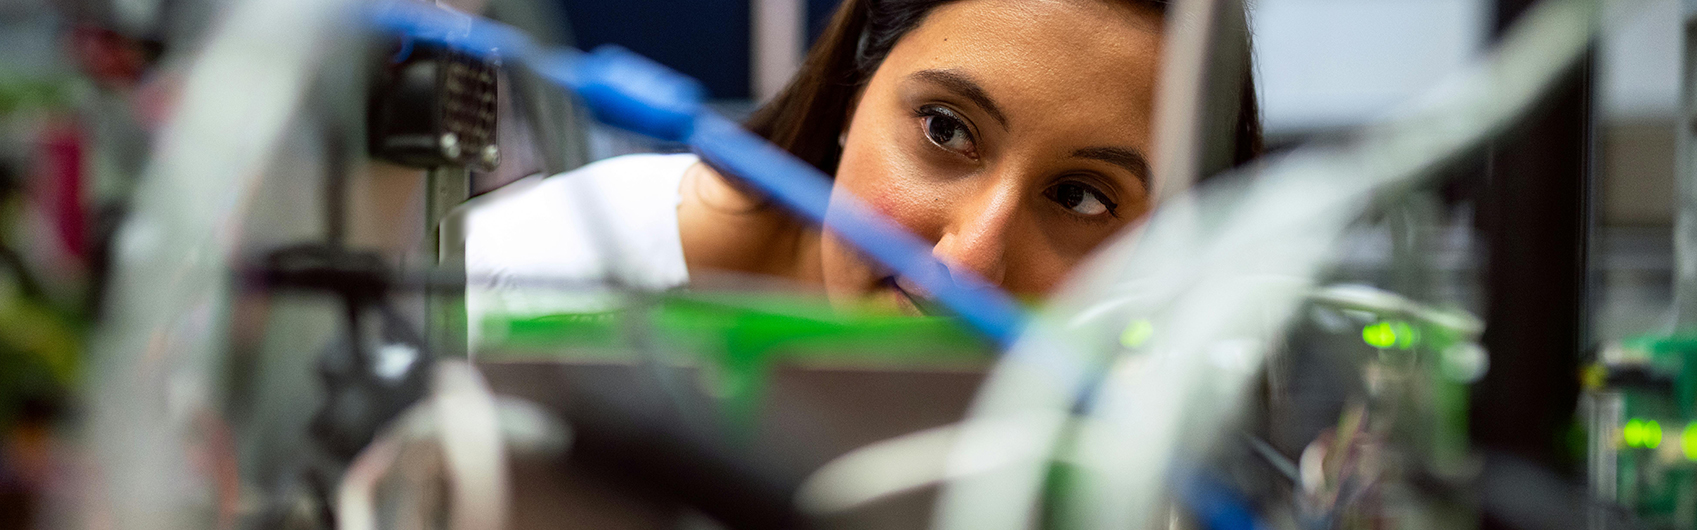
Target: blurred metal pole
(777,47)
(444,306)
(1685,225)
(1535,212)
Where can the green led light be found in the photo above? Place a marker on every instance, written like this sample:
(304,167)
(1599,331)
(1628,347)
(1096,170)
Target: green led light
(1633,433)
(1652,434)
(1137,333)
(1391,333)
(1379,335)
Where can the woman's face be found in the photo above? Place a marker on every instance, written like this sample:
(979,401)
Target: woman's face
(1013,134)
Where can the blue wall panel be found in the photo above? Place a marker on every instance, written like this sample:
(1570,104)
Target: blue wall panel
(818,14)
(706,39)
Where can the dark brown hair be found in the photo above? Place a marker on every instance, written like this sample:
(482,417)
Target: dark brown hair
(810,113)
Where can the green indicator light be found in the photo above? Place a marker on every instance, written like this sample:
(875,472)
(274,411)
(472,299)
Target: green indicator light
(1633,433)
(1652,434)
(1688,441)
(1137,333)
(1379,335)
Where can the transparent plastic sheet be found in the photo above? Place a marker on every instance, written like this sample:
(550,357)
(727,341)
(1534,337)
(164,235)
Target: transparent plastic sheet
(1217,276)
(157,358)
(1684,314)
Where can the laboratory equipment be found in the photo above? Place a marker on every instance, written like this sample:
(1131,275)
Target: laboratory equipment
(1162,384)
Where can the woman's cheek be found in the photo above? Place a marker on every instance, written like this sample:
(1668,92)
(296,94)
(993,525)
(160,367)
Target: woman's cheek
(901,191)
(912,207)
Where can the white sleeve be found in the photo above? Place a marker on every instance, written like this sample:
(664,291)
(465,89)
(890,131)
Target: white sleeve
(617,216)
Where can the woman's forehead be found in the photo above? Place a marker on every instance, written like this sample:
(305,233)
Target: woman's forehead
(1083,62)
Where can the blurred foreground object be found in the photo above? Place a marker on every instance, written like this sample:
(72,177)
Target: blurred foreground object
(1136,390)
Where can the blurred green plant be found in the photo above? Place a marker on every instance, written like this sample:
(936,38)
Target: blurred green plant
(40,337)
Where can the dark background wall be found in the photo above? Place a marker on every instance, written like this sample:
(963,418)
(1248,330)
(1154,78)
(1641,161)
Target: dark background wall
(818,14)
(707,39)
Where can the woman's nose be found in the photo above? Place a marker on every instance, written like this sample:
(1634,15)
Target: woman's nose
(976,238)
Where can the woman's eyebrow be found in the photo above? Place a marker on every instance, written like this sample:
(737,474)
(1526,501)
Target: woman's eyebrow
(963,84)
(1129,159)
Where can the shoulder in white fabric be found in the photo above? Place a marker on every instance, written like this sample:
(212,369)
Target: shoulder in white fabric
(616,214)
(614,217)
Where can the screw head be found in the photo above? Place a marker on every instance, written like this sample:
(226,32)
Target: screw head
(491,155)
(450,144)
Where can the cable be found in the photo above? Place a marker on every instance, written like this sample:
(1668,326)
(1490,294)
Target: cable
(1273,458)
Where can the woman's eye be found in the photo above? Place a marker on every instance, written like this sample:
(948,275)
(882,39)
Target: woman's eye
(1081,199)
(947,131)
